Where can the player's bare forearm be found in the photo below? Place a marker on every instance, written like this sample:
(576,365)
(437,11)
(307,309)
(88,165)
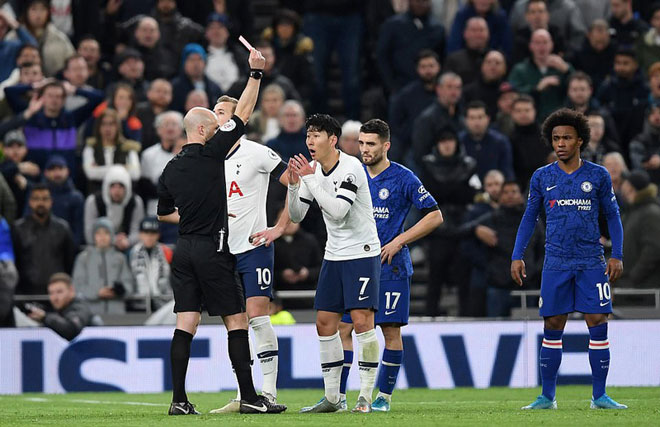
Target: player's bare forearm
(172,218)
(423,227)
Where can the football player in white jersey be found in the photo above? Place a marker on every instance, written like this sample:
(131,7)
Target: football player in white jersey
(350,273)
(248,169)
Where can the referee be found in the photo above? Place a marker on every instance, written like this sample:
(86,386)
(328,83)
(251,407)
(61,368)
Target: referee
(191,193)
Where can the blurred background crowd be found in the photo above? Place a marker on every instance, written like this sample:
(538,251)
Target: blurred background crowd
(93,92)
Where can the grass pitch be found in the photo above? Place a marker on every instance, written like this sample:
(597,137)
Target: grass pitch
(410,408)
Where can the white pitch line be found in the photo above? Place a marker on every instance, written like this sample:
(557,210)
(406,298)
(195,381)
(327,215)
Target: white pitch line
(96,402)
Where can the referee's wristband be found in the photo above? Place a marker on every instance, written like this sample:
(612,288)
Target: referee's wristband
(256,74)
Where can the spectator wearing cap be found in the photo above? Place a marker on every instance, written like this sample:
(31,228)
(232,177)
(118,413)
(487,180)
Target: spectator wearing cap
(159,97)
(49,128)
(402,37)
(150,265)
(495,17)
(627,26)
(293,50)
(226,63)
(130,70)
(486,88)
(43,244)
(466,61)
(192,77)
(101,273)
(625,95)
(647,48)
(645,147)
(68,202)
(641,237)
(537,17)
(596,57)
(159,62)
(9,47)
(408,103)
(117,202)
(18,173)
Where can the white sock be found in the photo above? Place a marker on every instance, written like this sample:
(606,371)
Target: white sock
(386,396)
(332,362)
(238,389)
(266,344)
(368,356)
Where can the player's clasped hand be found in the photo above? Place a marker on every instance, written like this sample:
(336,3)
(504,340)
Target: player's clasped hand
(614,269)
(388,251)
(518,272)
(301,165)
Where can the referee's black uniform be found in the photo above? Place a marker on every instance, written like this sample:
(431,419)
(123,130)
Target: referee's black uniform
(203,270)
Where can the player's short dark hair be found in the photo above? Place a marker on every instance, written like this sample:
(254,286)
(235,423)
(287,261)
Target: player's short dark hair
(567,117)
(60,277)
(427,53)
(476,105)
(581,75)
(626,51)
(377,126)
(323,123)
(523,98)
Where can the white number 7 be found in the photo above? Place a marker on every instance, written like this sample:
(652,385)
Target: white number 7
(365,282)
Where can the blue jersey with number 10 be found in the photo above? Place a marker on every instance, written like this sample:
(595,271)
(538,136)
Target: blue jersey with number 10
(393,192)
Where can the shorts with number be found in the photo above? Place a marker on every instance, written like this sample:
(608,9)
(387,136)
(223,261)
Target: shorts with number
(348,285)
(394,303)
(585,291)
(256,270)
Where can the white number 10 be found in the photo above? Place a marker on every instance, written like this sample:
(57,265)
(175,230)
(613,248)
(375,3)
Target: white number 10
(603,290)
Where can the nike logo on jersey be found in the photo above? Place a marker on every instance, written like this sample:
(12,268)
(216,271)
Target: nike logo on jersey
(549,188)
(362,298)
(261,408)
(263,288)
(387,313)
(603,304)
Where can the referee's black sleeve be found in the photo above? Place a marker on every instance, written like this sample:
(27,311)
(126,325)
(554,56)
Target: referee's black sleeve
(225,137)
(166,203)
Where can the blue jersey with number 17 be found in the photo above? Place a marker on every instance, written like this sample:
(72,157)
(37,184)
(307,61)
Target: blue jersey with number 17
(393,192)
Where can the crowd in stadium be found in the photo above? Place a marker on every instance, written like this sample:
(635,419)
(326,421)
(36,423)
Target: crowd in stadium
(94,92)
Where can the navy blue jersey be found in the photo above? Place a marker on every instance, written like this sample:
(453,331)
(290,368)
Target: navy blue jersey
(572,203)
(393,192)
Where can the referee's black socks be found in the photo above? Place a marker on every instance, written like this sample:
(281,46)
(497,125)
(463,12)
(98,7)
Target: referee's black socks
(239,354)
(179,356)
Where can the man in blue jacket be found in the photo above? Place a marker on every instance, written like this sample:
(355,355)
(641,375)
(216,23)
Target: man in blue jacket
(9,48)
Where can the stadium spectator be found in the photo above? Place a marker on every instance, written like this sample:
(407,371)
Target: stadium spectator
(641,238)
(241,17)
(599,144)
(108,147)
(408,103)
(402,38)
(297,259)
(17,172)
(291,139)
(451,178)
(122,100)
(544,75)
(264,123)
(625,95)
(645,147)
(438,116)
(130,70)
(196,98)
(529,151)
(487,86)
(150,265)
(654,83)
(8,276)
(503,121)
(497,230)
(596,57)
(488,147)
(117,202)
(159,62)
(176,30)
(191,77)
(466,61)
(626,28)
(26,54)
(70,314)
(29,74)
(349,141)
(580,91)
(9,47)
(169,127)
(226,62)
(563,13)
(280,316)
(473,249)
(68,202)
(101,273)
(98,71)
(7,202)
(538,18)
(593,10)
(648,46)
(54,45)
(43,244)
(76,73)
(293,50)
(158,100)
(46,116)
(498,26)
(617,168)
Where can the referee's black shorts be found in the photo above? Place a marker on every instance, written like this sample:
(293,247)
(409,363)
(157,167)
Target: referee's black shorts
(201,276)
